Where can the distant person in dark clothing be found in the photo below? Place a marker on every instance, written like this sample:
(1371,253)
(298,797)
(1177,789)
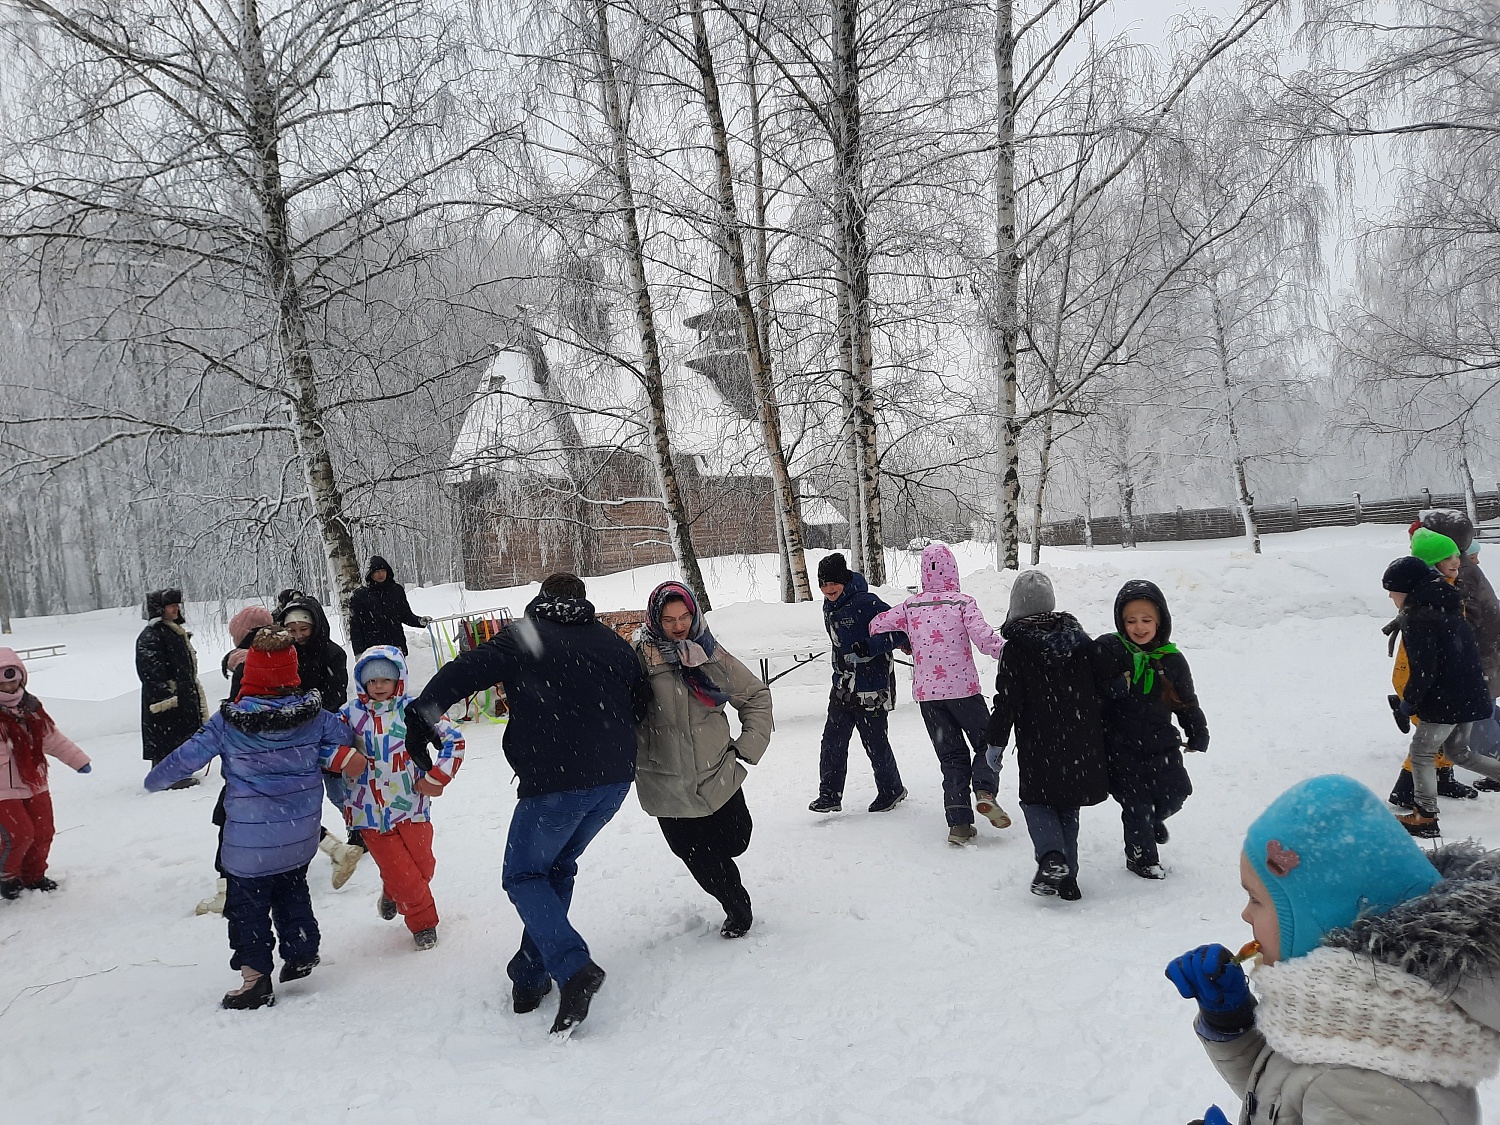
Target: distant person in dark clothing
(323,666)
(576,691)
(864,688)
(378,610)
(173,706)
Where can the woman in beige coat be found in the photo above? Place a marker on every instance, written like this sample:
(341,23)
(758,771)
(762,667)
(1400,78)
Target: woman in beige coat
(689,766)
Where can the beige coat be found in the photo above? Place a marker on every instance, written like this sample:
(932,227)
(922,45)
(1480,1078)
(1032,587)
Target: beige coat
(687,761)
(1340,1040)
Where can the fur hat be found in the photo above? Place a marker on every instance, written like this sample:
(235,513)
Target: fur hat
(1406,574)
(1030,594)
(1329,851)
(270,665)
(833,568)
(1455,525)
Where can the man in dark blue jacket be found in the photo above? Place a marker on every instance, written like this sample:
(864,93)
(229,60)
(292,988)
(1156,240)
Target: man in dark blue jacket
(864,688)
(1446,690)
(575,691)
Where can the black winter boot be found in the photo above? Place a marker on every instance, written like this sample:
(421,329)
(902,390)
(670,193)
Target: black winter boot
(10,888)
(1487,785)
(826,805)
(523,1000)
(1068,890)
(735,925)
(1403,796)
(42,884)
(1137,862)
(1051,873)
(1450,786)
(255,993)
(577,994)
(291,971)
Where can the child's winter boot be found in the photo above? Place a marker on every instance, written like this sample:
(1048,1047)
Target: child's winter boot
(1051,875)
(986,806)
(296,970)
(1137,862)
(256,992)
(826,804)
(1450,786)
(1420,825)
(961,834)
(214,905)
(425,939)
(1403,794)
(344,858)
(10,887)
(386,907)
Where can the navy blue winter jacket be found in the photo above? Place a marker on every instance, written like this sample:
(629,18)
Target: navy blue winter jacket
(274,749)
(575,691)
(1447,683)
(869,680)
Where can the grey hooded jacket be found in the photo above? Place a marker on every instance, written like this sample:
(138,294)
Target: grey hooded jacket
(1392,1021)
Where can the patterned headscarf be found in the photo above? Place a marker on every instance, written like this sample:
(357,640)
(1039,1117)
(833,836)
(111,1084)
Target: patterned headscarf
(688,655)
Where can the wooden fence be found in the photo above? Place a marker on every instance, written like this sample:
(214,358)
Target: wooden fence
(1225,523)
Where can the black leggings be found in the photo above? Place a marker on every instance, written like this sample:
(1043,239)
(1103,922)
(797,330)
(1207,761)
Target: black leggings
(708,846)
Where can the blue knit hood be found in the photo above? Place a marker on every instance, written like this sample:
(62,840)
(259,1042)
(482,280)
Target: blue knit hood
(1329,852)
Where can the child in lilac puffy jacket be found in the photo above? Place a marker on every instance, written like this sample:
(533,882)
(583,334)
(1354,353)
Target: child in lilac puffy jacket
(944,625)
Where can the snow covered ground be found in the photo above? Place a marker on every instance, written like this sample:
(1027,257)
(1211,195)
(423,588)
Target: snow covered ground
(889,979)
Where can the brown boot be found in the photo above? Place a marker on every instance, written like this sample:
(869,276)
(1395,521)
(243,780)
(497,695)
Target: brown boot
(1420,825)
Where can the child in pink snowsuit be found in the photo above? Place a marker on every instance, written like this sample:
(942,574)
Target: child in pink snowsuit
(942,623)
(27,735)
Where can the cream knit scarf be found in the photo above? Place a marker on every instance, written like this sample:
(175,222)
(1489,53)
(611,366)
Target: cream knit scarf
(1335,1008)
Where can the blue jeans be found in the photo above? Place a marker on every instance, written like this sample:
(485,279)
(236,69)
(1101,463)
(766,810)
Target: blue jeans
(547,835)
(1053,829)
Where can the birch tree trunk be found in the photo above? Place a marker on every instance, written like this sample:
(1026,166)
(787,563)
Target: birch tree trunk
(264,132)
(1471,498)
(767,407)
(1043,467)
(1243,497)
(1127,509)
(678,529)
(854,266)
(1007,295)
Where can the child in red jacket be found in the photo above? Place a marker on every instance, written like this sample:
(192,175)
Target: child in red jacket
(27,736)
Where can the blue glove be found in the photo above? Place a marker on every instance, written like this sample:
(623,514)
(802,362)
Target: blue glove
(86,768)
(1209,975)
(1214,1116)
(993,755)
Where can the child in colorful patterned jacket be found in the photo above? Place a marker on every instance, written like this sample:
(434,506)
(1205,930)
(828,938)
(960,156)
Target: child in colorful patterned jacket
(390,801)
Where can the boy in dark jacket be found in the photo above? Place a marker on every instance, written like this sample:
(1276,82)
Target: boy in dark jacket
(1445,688)
(274,741)
(576,691)
(1048,690)
(379,609)
(864,688)
(1152,684)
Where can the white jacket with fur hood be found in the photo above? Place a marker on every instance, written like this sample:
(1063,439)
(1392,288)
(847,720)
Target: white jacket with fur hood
(1392,1021)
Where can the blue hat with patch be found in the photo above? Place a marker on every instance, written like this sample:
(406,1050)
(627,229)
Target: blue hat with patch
(1329,851)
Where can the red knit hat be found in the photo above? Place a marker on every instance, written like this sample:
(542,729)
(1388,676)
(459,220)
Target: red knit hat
(270,665)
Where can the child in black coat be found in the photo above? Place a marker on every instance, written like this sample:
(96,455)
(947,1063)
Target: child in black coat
(1153,684)
(1445,689)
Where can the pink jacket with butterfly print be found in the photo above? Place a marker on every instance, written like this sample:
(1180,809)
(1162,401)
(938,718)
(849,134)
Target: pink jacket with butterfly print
(944,625)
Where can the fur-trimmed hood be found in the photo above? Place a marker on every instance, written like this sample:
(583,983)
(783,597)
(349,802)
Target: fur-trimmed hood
(1448,937)
(1047,634)
(259,714)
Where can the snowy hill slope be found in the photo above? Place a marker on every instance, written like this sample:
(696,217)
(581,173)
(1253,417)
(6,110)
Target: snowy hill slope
(890,978)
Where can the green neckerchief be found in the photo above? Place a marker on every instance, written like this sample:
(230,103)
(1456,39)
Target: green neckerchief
(1144,674)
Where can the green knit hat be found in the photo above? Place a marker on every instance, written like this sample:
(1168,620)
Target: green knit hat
(1432,547)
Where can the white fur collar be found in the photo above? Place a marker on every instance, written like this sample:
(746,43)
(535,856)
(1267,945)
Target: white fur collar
(1336,1008)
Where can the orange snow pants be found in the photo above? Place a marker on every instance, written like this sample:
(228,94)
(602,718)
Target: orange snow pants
(404,856)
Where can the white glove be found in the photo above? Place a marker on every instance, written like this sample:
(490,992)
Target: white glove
(164,705)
